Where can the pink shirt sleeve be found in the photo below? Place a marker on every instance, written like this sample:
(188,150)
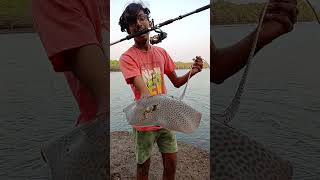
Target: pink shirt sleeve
(129,68)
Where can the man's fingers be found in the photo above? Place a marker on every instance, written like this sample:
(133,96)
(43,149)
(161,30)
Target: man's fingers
(284,8)
(197,67)
(285,21)
(198,63)
(268,17)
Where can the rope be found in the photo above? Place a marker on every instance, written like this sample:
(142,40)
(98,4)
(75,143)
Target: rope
(229,113)
(314,11)
(185,88)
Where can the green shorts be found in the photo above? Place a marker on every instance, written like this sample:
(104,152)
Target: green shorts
(144,141)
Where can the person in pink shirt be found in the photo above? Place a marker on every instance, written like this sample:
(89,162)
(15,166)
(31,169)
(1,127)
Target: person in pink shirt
(143,67)
(73,34)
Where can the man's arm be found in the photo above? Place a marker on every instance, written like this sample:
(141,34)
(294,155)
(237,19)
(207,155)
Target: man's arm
(139,84)
(180,81)
(279,20)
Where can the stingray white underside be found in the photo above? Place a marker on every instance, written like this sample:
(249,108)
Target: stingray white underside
(80,154)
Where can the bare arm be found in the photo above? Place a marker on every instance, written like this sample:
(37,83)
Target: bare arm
(180,81)
(228,61)
(139,84)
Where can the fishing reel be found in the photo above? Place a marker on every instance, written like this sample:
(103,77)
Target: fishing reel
(159,37)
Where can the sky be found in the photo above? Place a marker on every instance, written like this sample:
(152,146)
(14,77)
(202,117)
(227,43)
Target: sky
(186,38)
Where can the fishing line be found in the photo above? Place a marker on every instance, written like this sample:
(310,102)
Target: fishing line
(314,11)
(229,113)
(185,88)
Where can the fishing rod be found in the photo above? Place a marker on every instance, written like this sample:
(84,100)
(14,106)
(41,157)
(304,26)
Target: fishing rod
(156,28)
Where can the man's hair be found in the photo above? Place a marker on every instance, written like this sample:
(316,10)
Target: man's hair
(131,12)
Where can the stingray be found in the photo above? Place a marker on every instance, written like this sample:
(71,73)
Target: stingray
(164,110)
(235,156)
(80,154)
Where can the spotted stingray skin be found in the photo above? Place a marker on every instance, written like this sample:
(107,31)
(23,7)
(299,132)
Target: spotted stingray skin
(163,110)
(79,154)
(234,156)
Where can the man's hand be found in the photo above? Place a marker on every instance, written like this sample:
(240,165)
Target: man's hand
(197,65)
(279,19)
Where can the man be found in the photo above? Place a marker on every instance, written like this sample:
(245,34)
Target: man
(72,35)
(143,66)
(279,19)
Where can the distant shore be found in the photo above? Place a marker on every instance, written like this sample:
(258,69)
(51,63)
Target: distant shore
(193,162)
(16,30)
(226,12)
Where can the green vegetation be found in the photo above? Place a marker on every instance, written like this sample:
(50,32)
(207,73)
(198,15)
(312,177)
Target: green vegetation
(114,65)
(231,13)
(183,65)
(15,14)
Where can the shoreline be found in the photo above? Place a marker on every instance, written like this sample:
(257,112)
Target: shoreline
(192,162)
(17,30)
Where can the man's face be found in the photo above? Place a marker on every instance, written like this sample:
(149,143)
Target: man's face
(137,24)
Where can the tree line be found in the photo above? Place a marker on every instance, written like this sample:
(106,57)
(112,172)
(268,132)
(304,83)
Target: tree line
(225,12)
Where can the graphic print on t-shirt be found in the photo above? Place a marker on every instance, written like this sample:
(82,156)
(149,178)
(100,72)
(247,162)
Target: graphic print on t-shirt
(153,80)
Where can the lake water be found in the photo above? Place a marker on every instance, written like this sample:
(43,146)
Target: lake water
(35,106)
(280,107)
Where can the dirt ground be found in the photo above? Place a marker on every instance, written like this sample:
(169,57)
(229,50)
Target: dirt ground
(193,163)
